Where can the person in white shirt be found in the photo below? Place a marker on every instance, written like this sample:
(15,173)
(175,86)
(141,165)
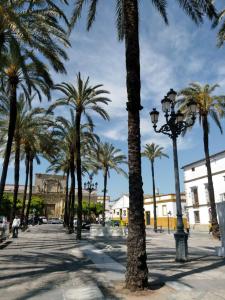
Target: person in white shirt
(15,226)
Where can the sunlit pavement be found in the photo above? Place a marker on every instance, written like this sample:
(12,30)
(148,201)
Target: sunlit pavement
(46,263)
(202,277)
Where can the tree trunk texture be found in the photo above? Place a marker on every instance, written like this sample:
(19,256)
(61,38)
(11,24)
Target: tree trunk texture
(30,189)
(16,175)
(66,199)
(27,164)
(89,206)
(69,206)
(11,129)
(72,174)
(215,225)
(79,177)
(104,196)
(137,271)
(154,197)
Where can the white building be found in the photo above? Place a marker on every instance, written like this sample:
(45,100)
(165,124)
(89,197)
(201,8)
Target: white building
(119,210)
(166,210)
(196,188)
(165,207)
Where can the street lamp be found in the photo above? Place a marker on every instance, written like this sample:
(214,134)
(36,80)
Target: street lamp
(174,126)
(90,187)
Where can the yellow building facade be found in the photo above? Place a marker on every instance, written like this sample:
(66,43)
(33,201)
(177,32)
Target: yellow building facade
(165,210)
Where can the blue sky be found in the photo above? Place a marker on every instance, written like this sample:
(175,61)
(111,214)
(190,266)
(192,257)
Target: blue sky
(171,57)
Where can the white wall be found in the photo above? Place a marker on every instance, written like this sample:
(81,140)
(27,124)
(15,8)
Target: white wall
(192,176)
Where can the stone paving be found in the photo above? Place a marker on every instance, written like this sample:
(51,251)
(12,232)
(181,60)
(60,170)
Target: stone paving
(42,264)
(202,277)
(45,263)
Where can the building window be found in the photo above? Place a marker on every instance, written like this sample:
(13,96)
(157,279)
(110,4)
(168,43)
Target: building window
(222,197)
(148,217)
(197,216)
(192,169)
(124,213)
(207,193)
(164,210)
(194,193)
(118,213)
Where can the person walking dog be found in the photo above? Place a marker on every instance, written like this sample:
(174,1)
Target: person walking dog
(15,226)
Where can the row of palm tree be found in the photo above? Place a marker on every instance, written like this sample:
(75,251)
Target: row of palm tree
(58,145)
(31,138)
(28,27)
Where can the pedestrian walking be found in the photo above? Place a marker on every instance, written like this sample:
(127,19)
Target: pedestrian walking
(15,226)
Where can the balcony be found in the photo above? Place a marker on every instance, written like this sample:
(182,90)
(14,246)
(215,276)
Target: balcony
(195,204)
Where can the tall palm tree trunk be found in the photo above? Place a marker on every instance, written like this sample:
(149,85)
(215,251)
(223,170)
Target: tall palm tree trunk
(69,207)
(27,163)
(154,198)
(66,199)
(16,175)
(137,271)
(104,196)
(79,176)
(11,129)
(215,225)
(30,189)
(72,191)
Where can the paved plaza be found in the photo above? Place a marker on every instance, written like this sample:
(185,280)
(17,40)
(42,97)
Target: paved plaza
(47,263)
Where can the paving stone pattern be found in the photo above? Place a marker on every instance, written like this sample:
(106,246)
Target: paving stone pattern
(46,263)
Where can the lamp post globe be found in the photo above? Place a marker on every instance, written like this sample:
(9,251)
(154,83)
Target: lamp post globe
(173,127)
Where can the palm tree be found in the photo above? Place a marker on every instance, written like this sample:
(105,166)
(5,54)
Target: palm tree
(36,25)
(60,163)
(21,70)
(82,98)
(65,130)
(27,118)
(27,28)
(221,33)
(109,158)
(42,143)
(127,27)
(153,151)
(212,106)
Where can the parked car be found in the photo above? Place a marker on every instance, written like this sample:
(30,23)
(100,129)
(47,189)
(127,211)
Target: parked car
(55,221)
(33,220)
(42,220)
(85,224)
(4,228)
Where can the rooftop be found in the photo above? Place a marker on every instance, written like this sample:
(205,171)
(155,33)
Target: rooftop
(203,159)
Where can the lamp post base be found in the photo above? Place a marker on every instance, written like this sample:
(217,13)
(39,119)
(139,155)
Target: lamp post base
(181,246)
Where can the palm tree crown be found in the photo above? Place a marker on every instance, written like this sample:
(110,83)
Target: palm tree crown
(208,104)
(221,33)
(83,97)
(152,151)
(109,157)
(36,25)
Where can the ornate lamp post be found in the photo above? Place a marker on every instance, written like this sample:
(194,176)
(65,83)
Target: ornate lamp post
(168,220)
(173,127)
(90,187)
